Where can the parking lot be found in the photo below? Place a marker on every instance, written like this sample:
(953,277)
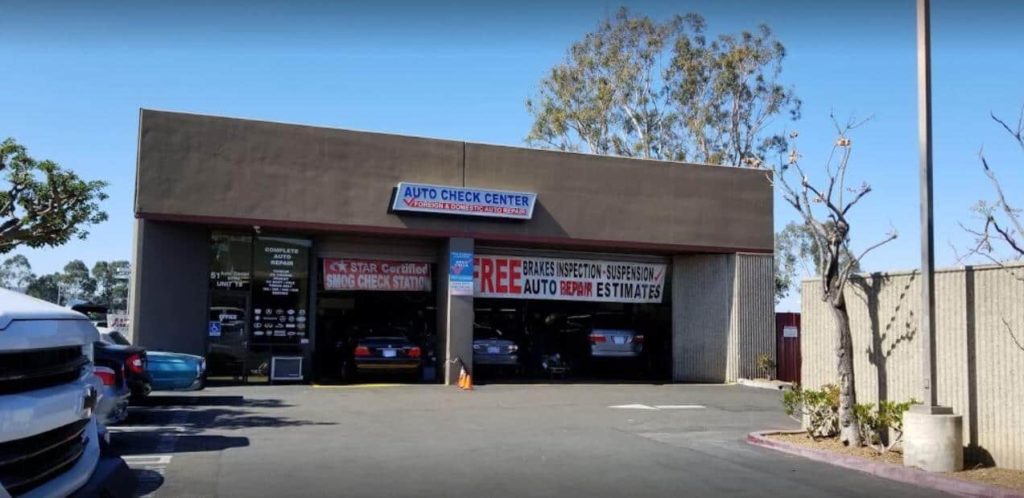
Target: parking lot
(499,440)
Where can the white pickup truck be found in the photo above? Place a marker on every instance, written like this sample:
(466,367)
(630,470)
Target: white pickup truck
(50,442)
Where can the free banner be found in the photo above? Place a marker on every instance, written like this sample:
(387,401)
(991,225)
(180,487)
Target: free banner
(518,277)
(375,275)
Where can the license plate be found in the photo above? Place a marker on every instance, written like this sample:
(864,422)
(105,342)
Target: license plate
(389,353)
(618,339)
(493,350)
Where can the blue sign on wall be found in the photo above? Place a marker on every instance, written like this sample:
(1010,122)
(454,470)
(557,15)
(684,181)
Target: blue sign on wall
(460,274)
(423,198)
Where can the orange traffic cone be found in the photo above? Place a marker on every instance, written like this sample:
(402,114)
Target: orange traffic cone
(465,380)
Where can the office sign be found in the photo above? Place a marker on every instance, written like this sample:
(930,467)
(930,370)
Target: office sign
(460,273)
(466,201)
(519,277)
(375,275)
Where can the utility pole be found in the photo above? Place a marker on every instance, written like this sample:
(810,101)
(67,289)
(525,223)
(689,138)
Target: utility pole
(933,435)
(924,125)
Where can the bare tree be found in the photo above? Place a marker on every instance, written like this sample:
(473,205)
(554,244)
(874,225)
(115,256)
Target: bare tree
(1002,229)
(824,211)
(1001,236)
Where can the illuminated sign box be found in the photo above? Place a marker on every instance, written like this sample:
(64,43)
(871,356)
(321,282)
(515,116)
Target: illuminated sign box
(463,201)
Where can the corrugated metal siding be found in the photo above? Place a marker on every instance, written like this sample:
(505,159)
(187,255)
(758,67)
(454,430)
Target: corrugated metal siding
(755,310)
(980,365)
(702,302)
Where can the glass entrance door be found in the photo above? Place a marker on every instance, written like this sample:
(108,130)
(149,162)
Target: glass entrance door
(227,335)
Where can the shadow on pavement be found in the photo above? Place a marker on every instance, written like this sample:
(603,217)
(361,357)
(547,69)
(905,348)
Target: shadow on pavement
(184,443)
(194,400)
(149,481)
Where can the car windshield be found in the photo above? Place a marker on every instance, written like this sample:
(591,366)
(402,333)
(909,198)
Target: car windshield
(486,332)
(115,337)
(602,321)
(390,331)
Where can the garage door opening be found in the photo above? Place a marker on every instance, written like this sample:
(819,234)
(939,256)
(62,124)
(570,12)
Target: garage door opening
(540,341)
(586,318)
(376,322)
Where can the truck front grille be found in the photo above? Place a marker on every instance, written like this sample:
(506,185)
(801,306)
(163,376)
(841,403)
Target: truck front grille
(39,368)
(30,462)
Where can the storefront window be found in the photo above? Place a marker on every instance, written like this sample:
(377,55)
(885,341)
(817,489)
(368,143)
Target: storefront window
(280,291)
(259,301)
(230,261)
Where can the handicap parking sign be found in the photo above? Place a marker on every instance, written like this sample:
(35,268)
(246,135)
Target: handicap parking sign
(214,329)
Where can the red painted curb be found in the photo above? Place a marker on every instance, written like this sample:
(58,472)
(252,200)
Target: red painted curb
(899,473)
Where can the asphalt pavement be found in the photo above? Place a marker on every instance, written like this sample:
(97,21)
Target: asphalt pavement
(558,440)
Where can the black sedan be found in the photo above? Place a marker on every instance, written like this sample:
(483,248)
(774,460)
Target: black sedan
(387,355)
(134,360)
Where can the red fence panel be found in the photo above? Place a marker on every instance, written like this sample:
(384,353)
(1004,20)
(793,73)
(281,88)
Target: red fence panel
(787,346)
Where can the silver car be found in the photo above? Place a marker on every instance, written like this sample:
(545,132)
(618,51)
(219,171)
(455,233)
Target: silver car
(112,406)
(491,347)
(611,336)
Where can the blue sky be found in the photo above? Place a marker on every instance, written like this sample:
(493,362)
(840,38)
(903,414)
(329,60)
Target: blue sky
(76,74)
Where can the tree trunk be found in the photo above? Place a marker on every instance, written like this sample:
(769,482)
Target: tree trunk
(849,433)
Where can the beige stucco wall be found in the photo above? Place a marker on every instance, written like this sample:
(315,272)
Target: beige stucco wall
(215,170)
(979,347)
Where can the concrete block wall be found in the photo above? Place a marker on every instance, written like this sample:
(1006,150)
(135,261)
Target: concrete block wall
(722,315)
(979,347)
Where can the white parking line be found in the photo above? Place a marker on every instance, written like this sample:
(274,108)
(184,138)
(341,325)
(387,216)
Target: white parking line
(633,407)
(157,462)
(638,406)
(148,460)
(145,428)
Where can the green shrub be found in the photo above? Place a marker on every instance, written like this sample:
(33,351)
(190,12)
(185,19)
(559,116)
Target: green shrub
(875,423)
(765,365)
(819,410)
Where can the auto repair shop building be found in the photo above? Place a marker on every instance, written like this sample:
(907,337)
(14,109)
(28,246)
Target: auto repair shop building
(257,240)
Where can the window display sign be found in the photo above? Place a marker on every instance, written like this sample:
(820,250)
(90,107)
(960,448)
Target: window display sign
(568,279)
(438,199)
(230,261)
(460,274)
(280,290)
(375,275)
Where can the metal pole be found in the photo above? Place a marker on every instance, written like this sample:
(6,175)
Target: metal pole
(924,116)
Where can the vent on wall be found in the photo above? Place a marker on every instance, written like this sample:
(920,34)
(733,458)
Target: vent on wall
(286,368)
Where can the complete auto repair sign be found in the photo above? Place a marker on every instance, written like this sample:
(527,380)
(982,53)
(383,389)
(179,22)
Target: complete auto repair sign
(375,275)
(519,277)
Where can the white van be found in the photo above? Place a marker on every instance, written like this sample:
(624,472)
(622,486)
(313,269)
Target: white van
(50,442)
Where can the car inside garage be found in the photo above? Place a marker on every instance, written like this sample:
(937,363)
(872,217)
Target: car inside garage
(543,317)
(376,321)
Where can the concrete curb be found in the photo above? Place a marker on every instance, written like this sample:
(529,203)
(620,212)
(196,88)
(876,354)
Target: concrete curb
(774,385)
(899,473)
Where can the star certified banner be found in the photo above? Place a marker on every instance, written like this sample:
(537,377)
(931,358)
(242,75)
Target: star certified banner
(438,199)
(375,275)
(519,277)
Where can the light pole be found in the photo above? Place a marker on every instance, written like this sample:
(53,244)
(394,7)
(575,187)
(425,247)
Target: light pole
(933,435)
(924,128)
